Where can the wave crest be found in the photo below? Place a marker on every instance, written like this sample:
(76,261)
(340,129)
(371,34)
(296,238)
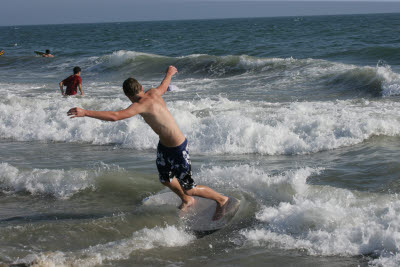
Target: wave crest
(340,79)
(60,184)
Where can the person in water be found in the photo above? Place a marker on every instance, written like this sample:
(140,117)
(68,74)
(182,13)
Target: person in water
(72,83)
(1,52)
(47,54)
(173,160)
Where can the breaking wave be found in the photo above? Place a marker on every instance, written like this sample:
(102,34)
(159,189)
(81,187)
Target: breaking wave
(212,126)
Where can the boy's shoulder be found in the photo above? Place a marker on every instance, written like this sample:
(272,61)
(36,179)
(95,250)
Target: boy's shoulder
(75,77)
(69,77)
(152,92)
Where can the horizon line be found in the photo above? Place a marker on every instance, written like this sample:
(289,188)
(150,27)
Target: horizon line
(227,18)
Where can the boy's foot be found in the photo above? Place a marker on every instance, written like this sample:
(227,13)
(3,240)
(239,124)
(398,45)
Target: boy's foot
(220,209)
(186,204)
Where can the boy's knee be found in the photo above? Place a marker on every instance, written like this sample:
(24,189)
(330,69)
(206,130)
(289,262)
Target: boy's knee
(190,192)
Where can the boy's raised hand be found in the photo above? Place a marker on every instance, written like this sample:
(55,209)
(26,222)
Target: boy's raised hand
(171,70)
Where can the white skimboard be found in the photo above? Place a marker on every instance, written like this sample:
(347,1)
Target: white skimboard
(199,217)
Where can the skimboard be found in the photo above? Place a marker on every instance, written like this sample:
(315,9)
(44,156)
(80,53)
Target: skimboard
(199,217)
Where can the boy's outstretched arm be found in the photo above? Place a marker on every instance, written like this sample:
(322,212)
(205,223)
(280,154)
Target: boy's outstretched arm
(131,111)
(163,87)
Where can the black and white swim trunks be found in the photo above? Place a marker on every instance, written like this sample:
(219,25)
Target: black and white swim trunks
(175,162)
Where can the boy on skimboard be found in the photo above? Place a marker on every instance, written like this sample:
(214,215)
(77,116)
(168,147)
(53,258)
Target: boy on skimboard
(173,160)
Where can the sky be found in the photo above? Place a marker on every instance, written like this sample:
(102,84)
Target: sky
(31,12)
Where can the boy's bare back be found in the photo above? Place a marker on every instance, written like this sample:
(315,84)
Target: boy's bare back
(158,117)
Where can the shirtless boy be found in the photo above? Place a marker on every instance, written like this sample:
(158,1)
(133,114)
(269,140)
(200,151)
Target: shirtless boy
(173,161)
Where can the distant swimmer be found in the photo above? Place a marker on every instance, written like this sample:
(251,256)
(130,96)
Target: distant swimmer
(72,83)
(46,54)
(173,160)
(1,52)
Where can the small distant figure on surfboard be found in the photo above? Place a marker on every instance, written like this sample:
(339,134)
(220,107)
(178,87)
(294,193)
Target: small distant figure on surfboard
(173,160)
(45,54)
(72,83)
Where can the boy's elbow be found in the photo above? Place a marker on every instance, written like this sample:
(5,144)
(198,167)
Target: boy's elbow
(115,117)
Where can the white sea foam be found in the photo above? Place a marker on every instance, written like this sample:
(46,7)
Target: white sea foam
(57,183)
(389,260)
(212,126)
(287,128)
(20,89)
(261,185)
(391,81)
(321,220)
(45,119)
(145,239)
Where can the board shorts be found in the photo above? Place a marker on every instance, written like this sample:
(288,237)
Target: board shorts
(175,162)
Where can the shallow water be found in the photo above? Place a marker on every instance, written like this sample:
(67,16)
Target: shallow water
(297,117)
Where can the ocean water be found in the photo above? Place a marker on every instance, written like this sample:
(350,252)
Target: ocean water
(298,117)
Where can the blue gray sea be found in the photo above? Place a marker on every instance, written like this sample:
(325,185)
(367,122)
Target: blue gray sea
(298,117)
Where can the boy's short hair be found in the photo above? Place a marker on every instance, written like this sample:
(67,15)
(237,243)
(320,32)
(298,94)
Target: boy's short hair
(47,51)
(77,70)
(131,87)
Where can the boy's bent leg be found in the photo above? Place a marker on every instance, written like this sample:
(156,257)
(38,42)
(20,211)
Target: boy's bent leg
(187,200)
(206,192)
